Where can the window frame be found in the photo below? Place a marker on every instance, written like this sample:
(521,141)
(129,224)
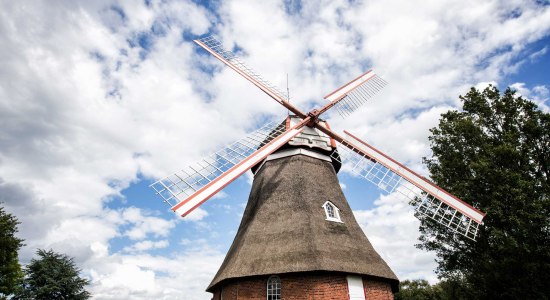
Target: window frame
(336,211)
(278,286)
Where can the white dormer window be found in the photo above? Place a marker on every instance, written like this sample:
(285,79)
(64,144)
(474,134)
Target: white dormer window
(332,212)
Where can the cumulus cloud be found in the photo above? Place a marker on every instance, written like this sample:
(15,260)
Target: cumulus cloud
(538,94)
(78,84)
(146,245)
(96,96)
(179,276)
(196,215)
(143,225)
(393,230)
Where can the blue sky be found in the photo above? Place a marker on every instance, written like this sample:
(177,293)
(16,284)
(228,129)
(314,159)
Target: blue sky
(98,99)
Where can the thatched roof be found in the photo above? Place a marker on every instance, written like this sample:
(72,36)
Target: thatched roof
(283,229)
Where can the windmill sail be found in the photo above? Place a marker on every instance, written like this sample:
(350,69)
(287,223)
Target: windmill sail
(187,189)
(428,199)
(357,92)
(213,46)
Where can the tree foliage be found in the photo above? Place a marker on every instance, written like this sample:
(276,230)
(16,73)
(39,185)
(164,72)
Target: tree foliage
(53,276)
(10,270)
(495,154)
(417,290)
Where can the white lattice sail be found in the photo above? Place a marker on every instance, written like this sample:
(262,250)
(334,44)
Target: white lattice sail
(428,200)
(216,48)
(186,189)
(357,92)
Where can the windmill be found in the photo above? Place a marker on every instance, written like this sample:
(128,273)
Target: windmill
(298,237)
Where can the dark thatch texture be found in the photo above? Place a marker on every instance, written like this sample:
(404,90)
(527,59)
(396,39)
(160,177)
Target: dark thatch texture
(283,229)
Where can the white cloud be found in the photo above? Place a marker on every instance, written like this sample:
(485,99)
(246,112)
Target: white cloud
(483,85)
(146,245)
(536,55)
(196,215)
(143,225)
(125,278)
(181,276)
(541,91)
(85,110)
(393,230)
(538,94)
(520,88)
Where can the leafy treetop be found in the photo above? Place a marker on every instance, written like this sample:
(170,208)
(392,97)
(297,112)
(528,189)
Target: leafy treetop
(10,270)
(53,276)
(495,154)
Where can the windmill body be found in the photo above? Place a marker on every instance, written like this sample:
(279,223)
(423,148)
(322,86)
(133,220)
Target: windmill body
(298,226)
(298,238)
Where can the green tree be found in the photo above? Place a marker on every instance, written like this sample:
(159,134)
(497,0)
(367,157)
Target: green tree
(449,289)
(417,290)
(53,276)
(10,270)
(495,154)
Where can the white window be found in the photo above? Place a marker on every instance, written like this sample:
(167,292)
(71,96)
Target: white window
(332,212)
(274,288)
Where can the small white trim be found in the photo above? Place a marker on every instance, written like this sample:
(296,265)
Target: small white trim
(336,212)
(355,287)
(292,152)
